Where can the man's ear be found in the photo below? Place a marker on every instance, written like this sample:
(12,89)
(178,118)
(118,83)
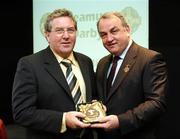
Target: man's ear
(46,35)
(128,29)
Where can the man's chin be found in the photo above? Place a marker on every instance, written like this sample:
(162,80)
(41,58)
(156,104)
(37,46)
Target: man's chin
(67,51)
(112,50)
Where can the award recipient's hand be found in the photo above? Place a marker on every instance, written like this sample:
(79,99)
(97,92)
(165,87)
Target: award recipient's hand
(107,123)
(73,120)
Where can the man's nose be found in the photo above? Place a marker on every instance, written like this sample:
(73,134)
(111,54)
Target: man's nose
(109,37)
(65,34)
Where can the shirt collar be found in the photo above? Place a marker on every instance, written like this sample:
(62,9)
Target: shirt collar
(60,59)
(125,51)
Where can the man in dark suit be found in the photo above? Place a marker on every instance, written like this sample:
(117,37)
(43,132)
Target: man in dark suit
(136,96)
(41,97)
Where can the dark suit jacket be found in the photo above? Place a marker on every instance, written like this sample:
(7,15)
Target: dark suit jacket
(138,93)
(41,94)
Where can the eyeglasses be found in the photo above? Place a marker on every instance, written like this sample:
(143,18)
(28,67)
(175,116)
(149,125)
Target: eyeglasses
(61,31)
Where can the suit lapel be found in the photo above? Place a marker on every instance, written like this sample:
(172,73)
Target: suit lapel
(106,64)
(125,68)
(53,68)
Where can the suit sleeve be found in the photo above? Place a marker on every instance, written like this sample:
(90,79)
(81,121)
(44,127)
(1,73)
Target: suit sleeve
(154,87)
(24,102)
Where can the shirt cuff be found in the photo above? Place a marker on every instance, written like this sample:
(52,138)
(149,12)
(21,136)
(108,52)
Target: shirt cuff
(63,125)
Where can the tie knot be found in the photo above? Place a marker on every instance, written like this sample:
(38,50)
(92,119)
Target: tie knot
(115,59)
(66,63)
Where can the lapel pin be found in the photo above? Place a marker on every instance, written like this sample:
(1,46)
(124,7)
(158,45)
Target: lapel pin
(126,69)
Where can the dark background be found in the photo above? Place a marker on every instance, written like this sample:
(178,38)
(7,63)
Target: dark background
(17,41)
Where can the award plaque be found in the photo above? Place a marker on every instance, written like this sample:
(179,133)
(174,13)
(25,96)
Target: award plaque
(93,111)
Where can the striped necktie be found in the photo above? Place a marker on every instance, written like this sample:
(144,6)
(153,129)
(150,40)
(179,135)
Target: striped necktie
(72,82)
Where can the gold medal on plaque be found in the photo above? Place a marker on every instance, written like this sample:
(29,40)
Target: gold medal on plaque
(93,111)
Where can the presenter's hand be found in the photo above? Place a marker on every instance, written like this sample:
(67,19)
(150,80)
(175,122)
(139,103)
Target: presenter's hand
(108,123)
(73,120)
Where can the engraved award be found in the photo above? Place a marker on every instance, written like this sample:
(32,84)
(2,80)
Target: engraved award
(93,111)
